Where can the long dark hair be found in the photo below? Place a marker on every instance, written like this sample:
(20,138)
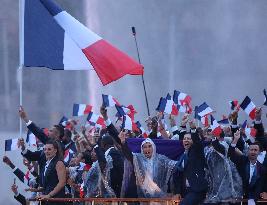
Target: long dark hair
(57,146)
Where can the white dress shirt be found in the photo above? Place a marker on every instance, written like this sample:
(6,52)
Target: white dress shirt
(251,170)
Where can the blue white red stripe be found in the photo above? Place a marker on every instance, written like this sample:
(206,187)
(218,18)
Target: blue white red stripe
(250,132)
(63,121)
(66,44)
(143,132)
(127,123)
(249,107)
(215,127)
(204,109)
(96,120)
(167,106)
(181,98)
(11,144)
(109,101)
(122,110)
(31,139)
(68,154)
(81,109)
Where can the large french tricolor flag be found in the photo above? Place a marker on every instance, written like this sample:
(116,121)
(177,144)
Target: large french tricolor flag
(54,39)
(81,109)
(249,107)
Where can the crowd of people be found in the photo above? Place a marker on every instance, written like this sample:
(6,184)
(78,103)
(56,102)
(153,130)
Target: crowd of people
(100,162)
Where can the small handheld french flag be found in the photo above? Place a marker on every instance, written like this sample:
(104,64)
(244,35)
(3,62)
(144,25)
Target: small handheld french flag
(31,139)
(11,144)
(122,110)
(81,109)
(167,106)
(204,109)
(109,101)
(95,120)
(215,127)
(143,132)
(127,123)
(63,121)
(249,107)
(181,98)
(68,154)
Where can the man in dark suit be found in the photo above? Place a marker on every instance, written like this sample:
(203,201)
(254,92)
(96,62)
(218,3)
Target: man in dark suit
(190,181)
(56,132)
(251,171)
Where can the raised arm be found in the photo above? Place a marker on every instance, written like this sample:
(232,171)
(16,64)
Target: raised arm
(234,156)
(125,149)
(113,132)
(20,174)
(39,133)
(260,129)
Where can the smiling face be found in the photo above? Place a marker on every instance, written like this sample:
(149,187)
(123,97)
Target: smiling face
(147,150)
(187,141)
(50,151)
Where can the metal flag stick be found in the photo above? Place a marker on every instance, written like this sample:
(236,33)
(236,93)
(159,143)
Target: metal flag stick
(21,56)
(143,81)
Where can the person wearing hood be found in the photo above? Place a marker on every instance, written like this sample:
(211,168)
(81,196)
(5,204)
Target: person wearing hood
(152,170)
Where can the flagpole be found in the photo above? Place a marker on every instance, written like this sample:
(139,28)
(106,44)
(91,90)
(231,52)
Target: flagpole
(21,56)
(143,80)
